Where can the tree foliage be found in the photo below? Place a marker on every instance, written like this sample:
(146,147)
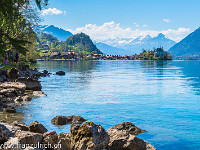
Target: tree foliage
(17,18)
(82,42)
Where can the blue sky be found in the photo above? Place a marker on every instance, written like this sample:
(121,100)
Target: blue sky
(175,18)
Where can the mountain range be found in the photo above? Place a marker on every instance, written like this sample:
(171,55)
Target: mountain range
(188,46)
(129,46)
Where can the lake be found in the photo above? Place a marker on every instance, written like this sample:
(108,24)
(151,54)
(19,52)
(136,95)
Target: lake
(162,97)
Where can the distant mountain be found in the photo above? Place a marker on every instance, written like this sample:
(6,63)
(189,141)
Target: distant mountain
(82,43)
(110,50)
(59,33)
(188,46)
(132,46)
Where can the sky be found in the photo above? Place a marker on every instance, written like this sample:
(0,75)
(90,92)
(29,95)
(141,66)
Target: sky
(104,19)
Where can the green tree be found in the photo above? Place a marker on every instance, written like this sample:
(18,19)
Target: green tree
(16,19)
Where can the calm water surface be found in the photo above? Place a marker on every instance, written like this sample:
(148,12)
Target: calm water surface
(162,97)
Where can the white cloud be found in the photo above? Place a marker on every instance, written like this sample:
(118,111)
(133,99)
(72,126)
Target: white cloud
(166,20)
(112,30)
(52,11)
(144,25)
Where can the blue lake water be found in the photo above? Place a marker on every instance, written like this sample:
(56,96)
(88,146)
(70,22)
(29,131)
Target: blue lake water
(162,97)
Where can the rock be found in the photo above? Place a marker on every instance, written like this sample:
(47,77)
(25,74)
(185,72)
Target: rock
(60,73)
(6,131)
(38,94)
(26,98)
(64,141)
(37,127)
(12,143)
(62,120)
(26,137)
(1,79)
(13,74)
(18,99)
(59,120)
(123,140)
(16,85)
(89,136)
(10,92)
(75,119)
(129,127)
(10,109)
(31,84)
(22,126)
(50,138)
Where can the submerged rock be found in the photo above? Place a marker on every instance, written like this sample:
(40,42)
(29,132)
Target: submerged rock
(38,94)
(62,120)
(31,84)
(59,120)
(128,127)
(37,127)
(60,73)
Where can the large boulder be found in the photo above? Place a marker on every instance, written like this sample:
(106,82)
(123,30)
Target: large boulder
(37,127)
(124,140)
(60,73)
(16,85)
(88,136)
(62,120)
(129,127)
(31,84)
(26,137)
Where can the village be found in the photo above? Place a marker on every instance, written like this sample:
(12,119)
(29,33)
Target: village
(156,54)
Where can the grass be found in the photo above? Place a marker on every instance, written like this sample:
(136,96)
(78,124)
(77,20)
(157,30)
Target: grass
(40,53)
(14,65)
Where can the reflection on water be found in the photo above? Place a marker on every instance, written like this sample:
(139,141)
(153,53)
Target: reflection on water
(161,97)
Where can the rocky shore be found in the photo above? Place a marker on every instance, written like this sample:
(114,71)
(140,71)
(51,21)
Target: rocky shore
(87,136)
(21,85)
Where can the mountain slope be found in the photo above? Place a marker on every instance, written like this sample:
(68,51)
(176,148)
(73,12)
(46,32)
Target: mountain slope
(59,33)
(82,42)
(188,46)
(110,50)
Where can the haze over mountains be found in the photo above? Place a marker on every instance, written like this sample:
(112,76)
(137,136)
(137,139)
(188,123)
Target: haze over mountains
(129,46)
